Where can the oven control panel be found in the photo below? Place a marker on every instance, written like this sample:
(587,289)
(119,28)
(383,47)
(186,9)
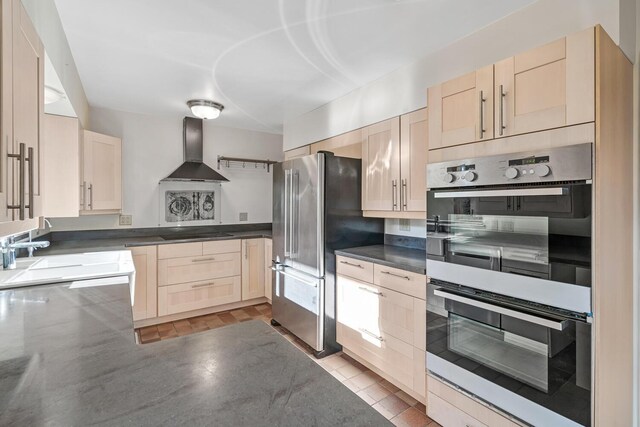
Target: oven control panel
(570,163)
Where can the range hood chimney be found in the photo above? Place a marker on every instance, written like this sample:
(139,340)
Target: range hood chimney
(193,168)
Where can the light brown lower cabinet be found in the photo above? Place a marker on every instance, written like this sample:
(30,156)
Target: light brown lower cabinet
(252,269)
(383,325)
(450,407)
(196,295)
(145,260)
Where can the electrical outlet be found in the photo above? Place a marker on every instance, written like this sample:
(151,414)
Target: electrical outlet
(125,220)
(405,225)
(244,216)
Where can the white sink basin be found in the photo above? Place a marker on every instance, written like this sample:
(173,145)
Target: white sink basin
(65,268)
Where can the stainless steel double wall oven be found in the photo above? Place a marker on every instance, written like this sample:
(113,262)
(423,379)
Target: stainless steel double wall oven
(509,301)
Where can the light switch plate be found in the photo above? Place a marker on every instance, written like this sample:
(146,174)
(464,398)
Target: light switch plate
(125,220)
(244,216)
(405,225)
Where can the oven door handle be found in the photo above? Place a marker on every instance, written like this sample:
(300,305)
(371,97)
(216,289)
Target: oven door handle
(516,192)
(548,323)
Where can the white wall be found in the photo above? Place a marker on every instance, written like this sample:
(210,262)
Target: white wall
(152,149)
(404,90)
(417,228)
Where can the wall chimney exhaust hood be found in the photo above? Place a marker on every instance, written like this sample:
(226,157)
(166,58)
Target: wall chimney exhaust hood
(193,168)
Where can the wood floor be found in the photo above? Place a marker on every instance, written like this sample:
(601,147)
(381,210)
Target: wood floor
(389,400)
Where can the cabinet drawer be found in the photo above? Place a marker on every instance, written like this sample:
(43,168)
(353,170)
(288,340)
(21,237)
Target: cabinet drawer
(179,250)
(361,270)
(400,280)
(391,355)
(192,269)
(196,295)
(367,307)
(220,247)
(446,414)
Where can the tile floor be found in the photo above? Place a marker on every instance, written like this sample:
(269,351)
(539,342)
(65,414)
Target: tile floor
(389,400)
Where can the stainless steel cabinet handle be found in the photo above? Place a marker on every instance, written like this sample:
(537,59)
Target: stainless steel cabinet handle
(203,259)
(83,186)
(394,189)
(404,194)
(502,95)
(371,291)
(246,249)
(30,159)
(371,334)
(482,101)
(203,285)
(351,264)
(21,157)
(90,196)
(396,275)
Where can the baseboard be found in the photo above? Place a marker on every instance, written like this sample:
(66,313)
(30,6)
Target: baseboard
(201,312)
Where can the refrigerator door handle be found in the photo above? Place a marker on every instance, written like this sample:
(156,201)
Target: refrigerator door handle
(287,172)
(293,244)
(295,276)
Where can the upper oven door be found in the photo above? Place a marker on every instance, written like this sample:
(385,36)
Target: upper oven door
(536,232)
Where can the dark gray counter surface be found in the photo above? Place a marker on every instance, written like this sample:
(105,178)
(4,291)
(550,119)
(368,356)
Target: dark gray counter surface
(414,260)
(120,243)
(68,358)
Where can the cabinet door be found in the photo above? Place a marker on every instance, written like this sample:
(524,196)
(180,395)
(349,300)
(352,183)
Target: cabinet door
(175,271)
(461,110)
(252,268)
(345,145)
(28,105)
(547,87)
(145,301)
(413,168)
(268,273)
(381,166)
(6,111)
(197,295)
(61,147)
(102,171)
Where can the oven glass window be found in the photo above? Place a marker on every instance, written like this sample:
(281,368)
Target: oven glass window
(542,236)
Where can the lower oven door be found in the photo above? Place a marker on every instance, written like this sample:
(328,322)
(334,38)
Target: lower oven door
(534,366)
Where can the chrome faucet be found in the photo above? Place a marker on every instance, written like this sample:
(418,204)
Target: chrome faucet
(9,247)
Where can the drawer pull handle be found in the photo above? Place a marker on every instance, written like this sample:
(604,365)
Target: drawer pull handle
(202,285)
(351,264)
(203,259)
(396,275)
(371,334)
(371,291)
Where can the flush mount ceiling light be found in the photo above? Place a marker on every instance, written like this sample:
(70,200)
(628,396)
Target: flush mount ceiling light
(52,95)
(205,109)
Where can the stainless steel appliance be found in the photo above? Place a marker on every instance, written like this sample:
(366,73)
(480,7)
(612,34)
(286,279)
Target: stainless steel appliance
(316,210)
(509,303)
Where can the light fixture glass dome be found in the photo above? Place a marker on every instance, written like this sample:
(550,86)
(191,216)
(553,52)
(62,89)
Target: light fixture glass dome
(205,109)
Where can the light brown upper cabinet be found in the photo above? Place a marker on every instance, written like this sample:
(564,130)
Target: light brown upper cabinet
(297,152)
(461,110)
(414,132)
(381,166)
(345,145)
(394,158)
(61,147)
(547,87)
(101,183)
(21,120)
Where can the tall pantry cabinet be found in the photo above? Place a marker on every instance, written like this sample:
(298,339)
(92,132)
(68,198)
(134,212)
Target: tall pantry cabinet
(21,120)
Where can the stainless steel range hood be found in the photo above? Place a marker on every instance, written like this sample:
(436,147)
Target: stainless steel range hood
(193,168)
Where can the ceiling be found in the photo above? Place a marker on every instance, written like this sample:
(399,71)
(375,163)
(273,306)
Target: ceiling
(265,60)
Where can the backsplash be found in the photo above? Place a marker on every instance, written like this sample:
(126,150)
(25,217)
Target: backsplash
(412,227)
(406,241)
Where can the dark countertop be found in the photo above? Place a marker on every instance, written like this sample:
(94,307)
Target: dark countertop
(414,260)
(68,357)
(120,243)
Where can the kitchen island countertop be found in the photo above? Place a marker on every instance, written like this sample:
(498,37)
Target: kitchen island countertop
(68,357)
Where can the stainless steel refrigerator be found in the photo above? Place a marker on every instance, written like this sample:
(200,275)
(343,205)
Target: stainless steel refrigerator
(316,210)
